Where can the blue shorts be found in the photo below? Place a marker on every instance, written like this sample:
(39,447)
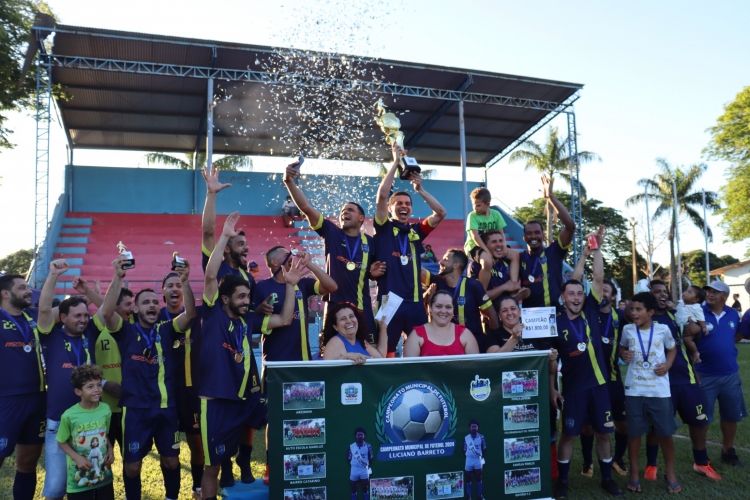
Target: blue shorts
(189,409)
(617,400)
(357,473)
(222,421)
(22,421)
(645,413)
(590,406)
(55,465)
(728,390)
(688,400)
(142,427)
(408,315)
(473,463)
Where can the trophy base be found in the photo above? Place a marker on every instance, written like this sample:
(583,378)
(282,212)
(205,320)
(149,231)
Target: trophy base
(408,166)
(129,264)
(177,263)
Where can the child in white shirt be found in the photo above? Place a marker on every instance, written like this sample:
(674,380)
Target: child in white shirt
(690,308)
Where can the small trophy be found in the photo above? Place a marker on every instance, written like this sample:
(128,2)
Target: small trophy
(390,125)
(130,263)
(177,261)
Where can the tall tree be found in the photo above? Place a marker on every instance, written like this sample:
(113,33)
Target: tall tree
(552,159)
(694,264)
(17,263)
(229,162)
(730,141)
(689,202)
(16,19)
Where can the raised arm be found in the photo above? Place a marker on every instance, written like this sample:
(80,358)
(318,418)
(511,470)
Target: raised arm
(581,264)
(81,286)
(566,235)
(438,212)
(291,277)
(213,186)
(46,319)
(106,313)
(598,272)
(327,285)
(299,198)
(210,284)
(381,210)
(184,320)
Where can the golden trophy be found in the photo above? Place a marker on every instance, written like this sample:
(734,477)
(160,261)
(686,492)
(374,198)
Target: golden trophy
(130,263)
(390,125)
(177,261)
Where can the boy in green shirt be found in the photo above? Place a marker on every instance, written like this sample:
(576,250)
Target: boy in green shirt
(82,435)
(482,219)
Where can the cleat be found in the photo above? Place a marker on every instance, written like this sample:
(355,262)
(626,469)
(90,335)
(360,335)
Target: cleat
(610,486)
(587,470)
(731,458)
(706,470)
(560,490)
(650,474)
(620,468)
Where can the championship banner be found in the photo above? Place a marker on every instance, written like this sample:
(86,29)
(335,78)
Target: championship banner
(416,414)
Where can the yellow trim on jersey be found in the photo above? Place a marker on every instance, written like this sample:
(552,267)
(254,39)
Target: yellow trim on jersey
(317,225)
(204,431)
(462,307)
(684,352)
(316,288)
(211,302)
(362,273)
(160,360)
(38,351)
(564,247)
(205,250)
(592,353)
(303,320)
(122,426)
(188,367)
(414,270)
(246,364)
(613,357)
(380,222)
(486,305)
(264,326)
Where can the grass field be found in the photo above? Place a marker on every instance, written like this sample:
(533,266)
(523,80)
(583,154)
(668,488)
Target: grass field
(735,485)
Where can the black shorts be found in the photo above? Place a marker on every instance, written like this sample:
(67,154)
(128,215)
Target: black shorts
(142,427)
(22,421)
(688,400)
(189,410)
(115,429)
(222,422)
(617,400)
(589,406)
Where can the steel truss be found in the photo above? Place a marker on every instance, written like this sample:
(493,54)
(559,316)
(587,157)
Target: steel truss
(575,186)
(41,193)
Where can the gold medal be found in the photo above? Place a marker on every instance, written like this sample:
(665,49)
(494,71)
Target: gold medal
(176,344)
(351,266)
(238,357)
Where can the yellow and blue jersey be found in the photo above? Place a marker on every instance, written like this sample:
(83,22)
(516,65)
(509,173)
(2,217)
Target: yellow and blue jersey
(547,269)
(20,357)
(186,347)
(400,247)
(611,334)
(499,275)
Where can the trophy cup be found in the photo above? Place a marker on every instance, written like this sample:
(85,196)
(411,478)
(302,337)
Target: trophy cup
(130,263)
(177,261)
(390,125)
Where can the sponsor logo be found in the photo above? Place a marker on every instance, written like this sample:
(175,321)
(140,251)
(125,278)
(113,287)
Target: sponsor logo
(111,366)
(351,393)
(462,301)
(569,422)
(298,294)
(732,325)
(134,447)
(479,388)
(3,443)
(220,450)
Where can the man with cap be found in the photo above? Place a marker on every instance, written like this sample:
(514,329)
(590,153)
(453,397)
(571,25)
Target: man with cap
(718,369)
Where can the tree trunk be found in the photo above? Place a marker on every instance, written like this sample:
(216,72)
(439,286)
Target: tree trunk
(672,266)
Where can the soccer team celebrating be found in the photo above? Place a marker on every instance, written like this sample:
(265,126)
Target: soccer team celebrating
(133,372)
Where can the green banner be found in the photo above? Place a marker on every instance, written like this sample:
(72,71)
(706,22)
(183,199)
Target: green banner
(416,413)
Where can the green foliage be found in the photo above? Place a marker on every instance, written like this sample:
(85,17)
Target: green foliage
(694,264)
(730,137)
(18,262)
(227,163)
(16,17)
(735,196)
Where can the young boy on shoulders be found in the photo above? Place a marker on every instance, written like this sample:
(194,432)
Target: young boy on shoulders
(481,219)
(649,350)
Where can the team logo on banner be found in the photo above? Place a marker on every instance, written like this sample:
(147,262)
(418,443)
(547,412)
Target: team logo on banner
(480,388)
(416,420)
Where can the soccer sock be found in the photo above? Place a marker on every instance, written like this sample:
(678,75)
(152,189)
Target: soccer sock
(196,470)
(563,468)
(226,467)
(366,495)
(24,486)
(132,487)
(621,446)
(468,488)
(700,456)
(587,448)
(243,457)
(171,481)
(606,469)
(479,488)
(354,496)
(210,498)
(652,451)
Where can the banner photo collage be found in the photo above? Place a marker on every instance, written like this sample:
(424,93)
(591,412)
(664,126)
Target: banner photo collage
(408,429)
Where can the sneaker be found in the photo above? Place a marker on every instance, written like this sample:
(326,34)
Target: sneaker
(731,458)
(620,468)
(610,486)
(265,476)
(560,490)
(706,470)
(587,470)
(650,474)
(197,493)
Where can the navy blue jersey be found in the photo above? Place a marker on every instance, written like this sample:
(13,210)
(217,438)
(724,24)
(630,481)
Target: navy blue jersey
(499,275)
(611,335)
(20,357)
(469,299)
(226,352)
(400,247)
(186,347)
(224,269)
(581,369)
(546,269)
(147,364)
(62,353)
(682,371)
(340,249)
(288,343)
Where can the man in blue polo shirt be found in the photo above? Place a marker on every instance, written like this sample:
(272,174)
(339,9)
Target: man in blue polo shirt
(23,404)
(398,244)
(148,396)
(542,267)
(718,369)
(350,252)
(470,301)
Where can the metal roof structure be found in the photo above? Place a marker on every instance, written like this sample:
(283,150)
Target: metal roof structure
(132,91)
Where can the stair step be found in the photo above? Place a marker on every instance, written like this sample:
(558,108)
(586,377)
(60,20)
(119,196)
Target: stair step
(64,239)
(70,250)
(78,221)
(75,230)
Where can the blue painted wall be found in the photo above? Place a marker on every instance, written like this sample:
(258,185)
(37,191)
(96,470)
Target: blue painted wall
(139,190)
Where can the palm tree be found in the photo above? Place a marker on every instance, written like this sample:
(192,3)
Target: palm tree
(688,198)
(229,162)
(553,160)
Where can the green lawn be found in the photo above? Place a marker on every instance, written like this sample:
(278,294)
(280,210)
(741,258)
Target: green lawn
(693,486)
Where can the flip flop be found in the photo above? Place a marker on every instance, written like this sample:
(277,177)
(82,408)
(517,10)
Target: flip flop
(634,486)
(673,487)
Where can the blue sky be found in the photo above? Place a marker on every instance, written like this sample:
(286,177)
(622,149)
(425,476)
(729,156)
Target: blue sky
(656,76)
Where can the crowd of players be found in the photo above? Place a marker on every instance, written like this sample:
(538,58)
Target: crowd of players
(521,415)
(521,450)
(153,354)
(301,392)
(530,477)
(389,491)
(524,386)
(292,465)
(303,432)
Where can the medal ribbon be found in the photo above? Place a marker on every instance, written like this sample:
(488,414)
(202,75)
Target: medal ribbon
(502,266)
(169,316)
(25,332)
(609,325)
(646,352)
(577,332)
(76,349)
(352,254)
(362,272)
(403,243)
(458,292)
(149,338)
(545,280)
